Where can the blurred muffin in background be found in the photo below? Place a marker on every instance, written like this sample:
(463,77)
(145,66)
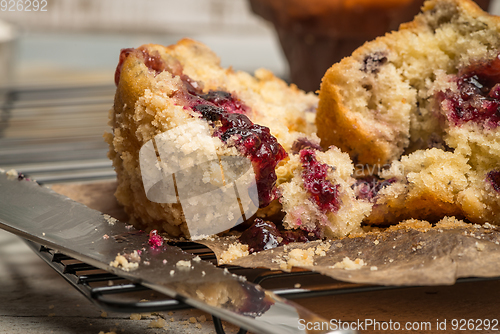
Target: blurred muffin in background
(314,34)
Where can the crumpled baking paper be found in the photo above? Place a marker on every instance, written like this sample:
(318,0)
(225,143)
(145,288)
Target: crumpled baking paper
(435,256)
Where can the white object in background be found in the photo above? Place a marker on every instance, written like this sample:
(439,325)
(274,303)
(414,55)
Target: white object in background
(7,38)
(495,7)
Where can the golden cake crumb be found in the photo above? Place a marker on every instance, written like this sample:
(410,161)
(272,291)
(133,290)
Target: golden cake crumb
(451,222)
(480,246)
(12,174)
(234,251)
(298,258)
(415,224)
(126,262)
(158,323)
(322,248)
(349,264)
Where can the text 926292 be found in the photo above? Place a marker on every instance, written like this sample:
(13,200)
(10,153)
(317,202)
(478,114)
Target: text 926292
(23,5)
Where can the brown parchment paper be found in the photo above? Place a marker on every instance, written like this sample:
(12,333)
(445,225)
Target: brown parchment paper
(434,256)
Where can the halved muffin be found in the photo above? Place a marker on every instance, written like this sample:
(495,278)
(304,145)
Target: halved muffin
(429,96)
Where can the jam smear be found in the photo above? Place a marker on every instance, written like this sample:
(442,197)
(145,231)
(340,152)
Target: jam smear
(478,96)
(155,240)
(253,141)
(225,100)
(255,301)
(152,61)
(264,235)
(124,53)
(322,191)
(493,177)
(368,187)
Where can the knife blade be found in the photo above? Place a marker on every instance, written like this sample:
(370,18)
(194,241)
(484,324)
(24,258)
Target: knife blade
(41,215)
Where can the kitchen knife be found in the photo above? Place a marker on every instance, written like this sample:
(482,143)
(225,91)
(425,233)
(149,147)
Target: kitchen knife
(39,214)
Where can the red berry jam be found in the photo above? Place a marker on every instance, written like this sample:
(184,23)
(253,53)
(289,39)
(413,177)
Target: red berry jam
(368,187)
(225,100)
(322,191)
(253,141)
(301,235)
(124,53)
(493,178)
(260,236)
(153,61)
(155,240)
(478,96)
(264,235)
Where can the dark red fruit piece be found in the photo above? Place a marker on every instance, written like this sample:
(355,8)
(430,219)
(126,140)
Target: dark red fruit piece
(478,99)
(124,53)
(260,236)
(314,174)
(372,62)
(264,235)
(153,61)
(255,301)
(225,100)
(303,143)
(253,141)
(155,240)
(494,178)
(300,235)
(368,187)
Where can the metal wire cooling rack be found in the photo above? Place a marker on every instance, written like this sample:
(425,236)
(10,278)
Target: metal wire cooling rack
(55,134)
(113,293)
